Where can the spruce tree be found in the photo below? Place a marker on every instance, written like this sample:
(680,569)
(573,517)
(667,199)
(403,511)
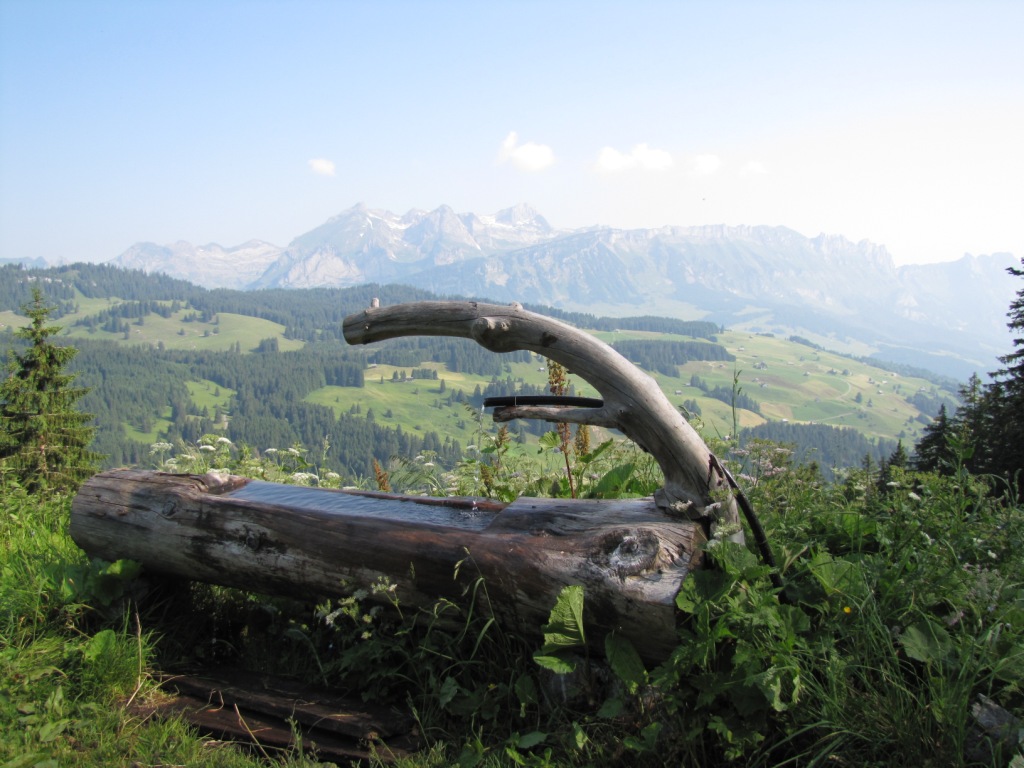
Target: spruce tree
(1005,410)
(932,453)
(989,426)
(1013,373)
(44,439)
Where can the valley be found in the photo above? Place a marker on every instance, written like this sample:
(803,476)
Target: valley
(167,364)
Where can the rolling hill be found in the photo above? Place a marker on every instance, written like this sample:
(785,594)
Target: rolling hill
(169,361)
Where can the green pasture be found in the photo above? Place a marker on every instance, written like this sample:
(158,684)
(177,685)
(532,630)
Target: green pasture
(418,405)
(210,395)
(160,427)
(87,305)
(174,332)
(10,320)
(796,383)
(792,382)
(204,394)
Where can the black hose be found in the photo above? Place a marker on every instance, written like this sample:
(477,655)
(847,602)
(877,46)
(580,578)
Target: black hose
(514,400)
(760,537)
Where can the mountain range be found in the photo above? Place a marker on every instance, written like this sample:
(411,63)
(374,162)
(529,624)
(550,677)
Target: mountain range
(949,317)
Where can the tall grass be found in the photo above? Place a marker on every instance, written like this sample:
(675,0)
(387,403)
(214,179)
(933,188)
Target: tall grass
(902,604)
(75,655)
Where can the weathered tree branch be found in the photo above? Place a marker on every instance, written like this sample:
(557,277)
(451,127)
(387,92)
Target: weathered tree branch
(695,487)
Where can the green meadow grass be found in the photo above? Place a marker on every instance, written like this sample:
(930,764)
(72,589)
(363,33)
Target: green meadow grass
(792,382)
(11,320)
(175,333)
(796,384)
(210,395)
(418,405)
(160,427)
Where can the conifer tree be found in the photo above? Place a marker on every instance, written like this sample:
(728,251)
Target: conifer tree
(1006,398)
(989,426)
(932,453)
(44,439)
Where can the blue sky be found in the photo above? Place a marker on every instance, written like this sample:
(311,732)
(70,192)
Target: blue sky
(217,121)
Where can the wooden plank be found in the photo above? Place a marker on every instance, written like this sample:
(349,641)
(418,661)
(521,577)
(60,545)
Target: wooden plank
(268,712)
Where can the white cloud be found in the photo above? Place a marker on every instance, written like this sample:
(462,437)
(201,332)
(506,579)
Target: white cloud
(527,157)
(706,164)
(322,166)
(642,156)
(753,168)
(612,160)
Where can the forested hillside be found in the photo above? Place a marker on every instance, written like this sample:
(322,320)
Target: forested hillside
(168,362)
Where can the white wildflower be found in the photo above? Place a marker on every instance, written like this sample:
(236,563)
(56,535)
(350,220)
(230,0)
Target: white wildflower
(207,448)
(223,441)
(913,496)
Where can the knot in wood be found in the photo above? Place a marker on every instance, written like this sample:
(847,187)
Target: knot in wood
(253,540)
(493,334)
(629,552)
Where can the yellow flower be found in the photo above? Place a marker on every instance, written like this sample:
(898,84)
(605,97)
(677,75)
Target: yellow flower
(847,610)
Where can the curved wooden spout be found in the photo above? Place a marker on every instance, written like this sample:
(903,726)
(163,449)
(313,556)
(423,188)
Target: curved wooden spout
(696,486)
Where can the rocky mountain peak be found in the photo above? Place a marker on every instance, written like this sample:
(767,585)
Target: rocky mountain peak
(520,215)
(765,278)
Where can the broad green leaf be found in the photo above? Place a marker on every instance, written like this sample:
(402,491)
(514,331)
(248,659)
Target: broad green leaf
(625,661)
(611,708)
(703,586)
(23,761)
(564,630)
(101,644)
(447,691)
(556,664)
(579,736)
(589,457)
(531,739)
(526,691)
(614,480)
(550,440)
(926,641)
(649,739)
(838,576)
(565,624)
(858,526)
(53,729)
(126,569)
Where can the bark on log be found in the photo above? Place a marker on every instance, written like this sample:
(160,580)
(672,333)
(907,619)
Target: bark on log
(696,485)
(630,558)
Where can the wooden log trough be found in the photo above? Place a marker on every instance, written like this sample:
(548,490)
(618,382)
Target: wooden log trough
(309,542)
(631,556)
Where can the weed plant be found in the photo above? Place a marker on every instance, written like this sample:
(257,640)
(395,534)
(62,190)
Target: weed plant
(903,602)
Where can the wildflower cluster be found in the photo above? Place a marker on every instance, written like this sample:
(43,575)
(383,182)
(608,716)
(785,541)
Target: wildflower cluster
(217,453)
